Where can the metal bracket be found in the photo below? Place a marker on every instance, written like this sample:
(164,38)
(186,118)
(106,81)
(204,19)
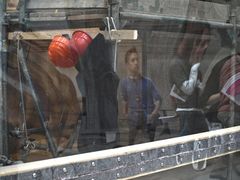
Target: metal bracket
(110,26)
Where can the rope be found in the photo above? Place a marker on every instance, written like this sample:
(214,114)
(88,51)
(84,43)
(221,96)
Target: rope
(22,104)
(28,144)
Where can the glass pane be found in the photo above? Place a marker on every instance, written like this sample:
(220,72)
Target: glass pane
(84,76)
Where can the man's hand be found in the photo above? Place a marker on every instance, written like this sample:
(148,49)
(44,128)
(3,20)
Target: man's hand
(125,116)
(151,117)
(125,109)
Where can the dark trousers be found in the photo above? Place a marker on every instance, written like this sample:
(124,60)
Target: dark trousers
(138,121)
(192,122)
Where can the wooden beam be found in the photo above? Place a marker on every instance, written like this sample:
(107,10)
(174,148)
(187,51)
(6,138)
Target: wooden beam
(48,35)
(121,34)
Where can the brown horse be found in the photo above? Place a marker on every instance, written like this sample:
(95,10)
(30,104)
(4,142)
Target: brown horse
(57,99)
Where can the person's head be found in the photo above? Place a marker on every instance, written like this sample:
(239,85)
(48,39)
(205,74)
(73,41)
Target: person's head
(132,61)
(194,41)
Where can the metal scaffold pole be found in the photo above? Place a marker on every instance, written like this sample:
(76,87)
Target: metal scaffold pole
(3,62)
(233,20)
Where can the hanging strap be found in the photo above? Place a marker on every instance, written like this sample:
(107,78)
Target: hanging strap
(22,103)
(23,65)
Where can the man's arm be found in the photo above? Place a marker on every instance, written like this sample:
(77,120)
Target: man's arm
(213,99)
(178,77)
(124,107)
(156,99)
(189,85)
(157,102)
(124,98)
(154,113)
(156,108)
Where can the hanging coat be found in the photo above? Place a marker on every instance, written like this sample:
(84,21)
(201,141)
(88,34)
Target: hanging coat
(98,83)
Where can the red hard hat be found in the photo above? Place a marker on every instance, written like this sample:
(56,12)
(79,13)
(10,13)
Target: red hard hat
(62,52)
(81,40)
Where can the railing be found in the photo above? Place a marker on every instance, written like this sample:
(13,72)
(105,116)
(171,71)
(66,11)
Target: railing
(132,161)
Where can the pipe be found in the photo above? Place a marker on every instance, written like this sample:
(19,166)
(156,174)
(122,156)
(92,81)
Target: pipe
(3,69)
(148,17)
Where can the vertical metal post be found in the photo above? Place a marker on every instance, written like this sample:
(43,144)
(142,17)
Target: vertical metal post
(113,11)
(3,98)
(22,13)
(233,20)
(144,53)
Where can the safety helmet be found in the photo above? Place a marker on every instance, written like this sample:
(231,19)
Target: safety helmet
(81,40)
(62,52)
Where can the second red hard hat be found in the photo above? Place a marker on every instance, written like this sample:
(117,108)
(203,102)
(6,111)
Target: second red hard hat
(82,40)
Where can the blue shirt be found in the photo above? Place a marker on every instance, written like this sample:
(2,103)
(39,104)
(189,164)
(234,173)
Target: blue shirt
(140,94)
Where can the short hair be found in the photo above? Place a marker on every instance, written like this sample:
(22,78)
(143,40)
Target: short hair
(194,28)
(129,52)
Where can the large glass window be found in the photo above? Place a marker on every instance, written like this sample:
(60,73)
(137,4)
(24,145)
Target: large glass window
(85,76)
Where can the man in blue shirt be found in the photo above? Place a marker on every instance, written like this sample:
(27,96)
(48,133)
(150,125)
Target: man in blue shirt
(141,100)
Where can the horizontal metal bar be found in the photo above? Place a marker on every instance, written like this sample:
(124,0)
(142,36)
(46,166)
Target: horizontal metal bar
(150,17)
(61,19)
(64,24)
(133,160)
(45,4)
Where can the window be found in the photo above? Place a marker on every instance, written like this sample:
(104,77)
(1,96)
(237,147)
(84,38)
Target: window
(143,86)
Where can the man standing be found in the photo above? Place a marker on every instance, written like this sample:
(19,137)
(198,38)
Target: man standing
(141,100)
(184,77)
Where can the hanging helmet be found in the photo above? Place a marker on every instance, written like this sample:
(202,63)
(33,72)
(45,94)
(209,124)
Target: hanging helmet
(62,52)
(81,40)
